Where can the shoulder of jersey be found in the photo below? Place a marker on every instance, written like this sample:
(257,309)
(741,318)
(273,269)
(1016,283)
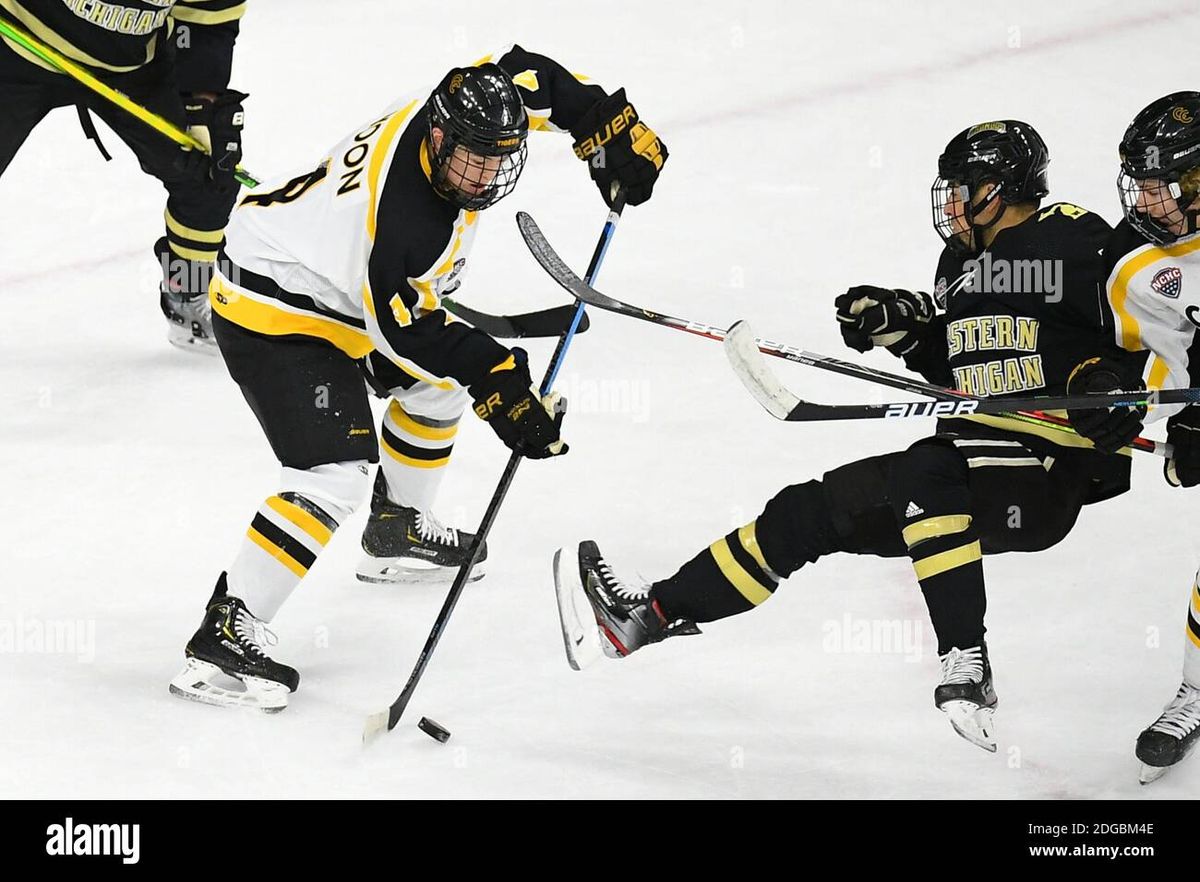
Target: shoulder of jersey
(1123,240)
(411,214)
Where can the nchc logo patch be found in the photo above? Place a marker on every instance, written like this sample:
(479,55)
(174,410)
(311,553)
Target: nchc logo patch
(1168,282)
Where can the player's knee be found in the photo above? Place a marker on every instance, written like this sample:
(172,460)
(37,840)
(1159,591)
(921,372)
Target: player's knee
(795,528)
(336,488)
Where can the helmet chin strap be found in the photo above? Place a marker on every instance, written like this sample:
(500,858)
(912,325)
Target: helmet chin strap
(973,209)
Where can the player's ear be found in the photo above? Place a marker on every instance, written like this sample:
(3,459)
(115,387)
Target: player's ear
(435,138)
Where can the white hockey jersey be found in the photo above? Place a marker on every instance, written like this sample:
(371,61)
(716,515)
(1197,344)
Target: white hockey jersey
(360,250)
(1154,295)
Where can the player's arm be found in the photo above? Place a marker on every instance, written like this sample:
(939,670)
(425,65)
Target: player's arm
(609,134)
(205,34)
(410,328)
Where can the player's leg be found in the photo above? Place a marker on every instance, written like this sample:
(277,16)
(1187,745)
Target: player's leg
(603,614)
(311,402)
(1171,737)
(27,94)
(403,541)
(197,208)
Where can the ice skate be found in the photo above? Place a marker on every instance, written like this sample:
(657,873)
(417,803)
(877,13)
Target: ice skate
(966,696)
(1168,739)
(602,615)
(407,546)
(226,665)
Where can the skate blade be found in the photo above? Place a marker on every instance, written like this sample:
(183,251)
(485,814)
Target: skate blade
(402,571)
(1150,774)
(194,683)
(183,339)
(581,637)
(972,722)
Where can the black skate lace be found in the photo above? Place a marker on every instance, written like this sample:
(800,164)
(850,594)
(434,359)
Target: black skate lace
(431,528)
(627,591)
(962,666)
(1182,715)
(253,633)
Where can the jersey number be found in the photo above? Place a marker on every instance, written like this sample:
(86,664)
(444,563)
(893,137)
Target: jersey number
(292,190)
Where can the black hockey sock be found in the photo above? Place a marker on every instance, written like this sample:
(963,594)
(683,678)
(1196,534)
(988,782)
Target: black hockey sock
(741,570)
(932,503)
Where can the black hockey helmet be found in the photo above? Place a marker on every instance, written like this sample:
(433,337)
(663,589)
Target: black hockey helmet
(1007,154)
(479,110)
(1162,145)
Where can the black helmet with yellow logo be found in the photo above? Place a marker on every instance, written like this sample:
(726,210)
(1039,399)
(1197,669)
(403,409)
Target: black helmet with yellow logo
(1162,144)
(1007,154)
(483,127)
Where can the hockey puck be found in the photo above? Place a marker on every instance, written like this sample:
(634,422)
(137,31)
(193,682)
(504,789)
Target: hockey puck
(434,730)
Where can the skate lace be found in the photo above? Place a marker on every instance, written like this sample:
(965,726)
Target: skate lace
(630,592)
(435,531)
(1182,715)
(962,666)
(253,633)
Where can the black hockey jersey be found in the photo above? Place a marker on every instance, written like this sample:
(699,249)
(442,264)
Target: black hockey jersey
(108,37)
(1017,319)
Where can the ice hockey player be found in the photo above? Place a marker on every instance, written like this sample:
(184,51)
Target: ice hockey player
(981,486)
(1154,294)
(173,57)
(354,257)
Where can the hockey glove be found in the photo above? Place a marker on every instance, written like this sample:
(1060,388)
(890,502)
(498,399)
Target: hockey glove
(217,124)
(870,317)
(525,421)
(1109,428)
(1183,433)
(619,148)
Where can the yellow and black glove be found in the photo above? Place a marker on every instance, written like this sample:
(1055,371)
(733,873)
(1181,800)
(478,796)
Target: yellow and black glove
(217,124)
(528,423)
(619,149)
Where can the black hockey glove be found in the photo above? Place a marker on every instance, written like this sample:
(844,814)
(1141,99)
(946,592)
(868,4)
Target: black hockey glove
(1183,433)
(217,124)
(619,148)
(870,317)
(1109,428)
(526,422)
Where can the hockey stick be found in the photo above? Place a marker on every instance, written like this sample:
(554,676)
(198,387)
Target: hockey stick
(114,96)
(560,272)
(741,347)
(542,323)
(386,720)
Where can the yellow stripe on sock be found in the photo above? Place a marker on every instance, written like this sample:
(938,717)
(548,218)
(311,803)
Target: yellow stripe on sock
(937,564)
(430,433)
(931,528)
(301,518)
(213,236)
(736,573)
(412,461)
(748,536)
(276,552)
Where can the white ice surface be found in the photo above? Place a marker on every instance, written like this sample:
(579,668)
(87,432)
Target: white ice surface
(803,138)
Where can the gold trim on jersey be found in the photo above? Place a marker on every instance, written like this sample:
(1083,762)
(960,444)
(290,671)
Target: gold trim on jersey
(933,528)
(1127,268)
(60,44)
(378,155)
(1057,436)
(186,12)
(271,317)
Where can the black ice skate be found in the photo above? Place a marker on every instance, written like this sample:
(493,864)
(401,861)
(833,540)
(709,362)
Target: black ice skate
(1169,738)
(966,695)
(602,615)
(229,643)
(183,298)
(406,546)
